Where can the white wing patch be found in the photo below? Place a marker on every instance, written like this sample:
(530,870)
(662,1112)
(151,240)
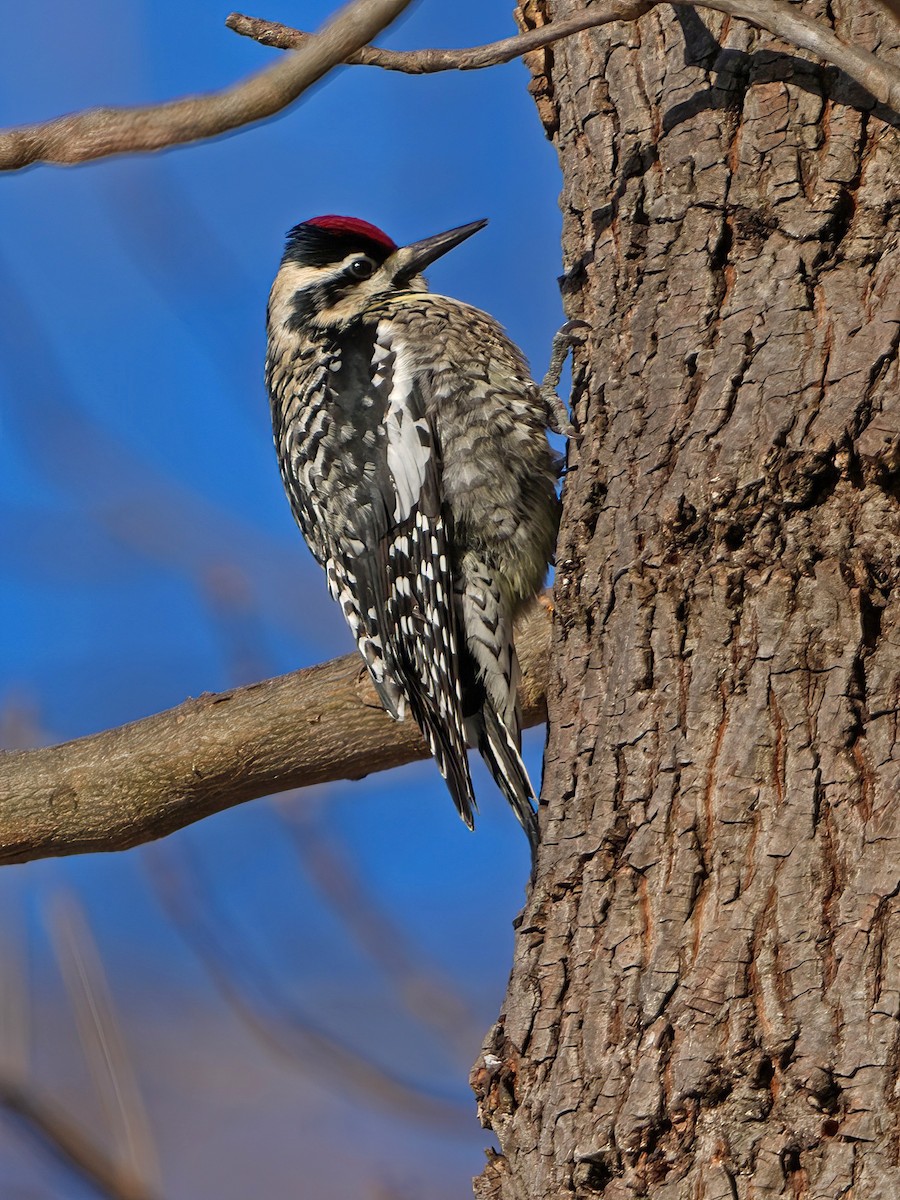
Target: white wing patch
(408,438)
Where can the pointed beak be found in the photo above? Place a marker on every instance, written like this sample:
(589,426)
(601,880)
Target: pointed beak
(410,260)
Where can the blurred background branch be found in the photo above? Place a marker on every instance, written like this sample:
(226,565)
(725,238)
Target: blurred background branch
(273,1014)
(429,996)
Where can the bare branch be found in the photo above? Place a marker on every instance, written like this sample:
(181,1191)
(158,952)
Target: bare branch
(880,79)
(130,785)
(422,62)
(99,132)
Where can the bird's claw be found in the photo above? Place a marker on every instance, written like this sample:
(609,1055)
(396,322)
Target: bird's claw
(570,334)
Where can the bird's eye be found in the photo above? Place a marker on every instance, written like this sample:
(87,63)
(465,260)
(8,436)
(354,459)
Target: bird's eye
(361,268)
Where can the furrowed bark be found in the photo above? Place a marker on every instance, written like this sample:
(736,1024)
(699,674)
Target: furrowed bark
(705,992)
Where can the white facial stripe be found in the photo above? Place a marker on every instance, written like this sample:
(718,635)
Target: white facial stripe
(291,278)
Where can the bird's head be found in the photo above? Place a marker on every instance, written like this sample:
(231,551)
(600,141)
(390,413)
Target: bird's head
(333,266)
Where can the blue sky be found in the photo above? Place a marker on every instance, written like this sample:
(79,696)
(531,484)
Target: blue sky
(147,552)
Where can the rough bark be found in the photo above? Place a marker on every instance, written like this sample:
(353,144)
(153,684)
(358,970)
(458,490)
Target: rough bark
(706,989)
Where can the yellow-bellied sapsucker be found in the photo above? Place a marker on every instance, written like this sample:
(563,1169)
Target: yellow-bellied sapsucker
(413,448)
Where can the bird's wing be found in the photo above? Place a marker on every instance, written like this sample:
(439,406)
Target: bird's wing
(395,585)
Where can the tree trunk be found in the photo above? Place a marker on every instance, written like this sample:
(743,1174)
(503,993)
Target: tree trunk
(706,989)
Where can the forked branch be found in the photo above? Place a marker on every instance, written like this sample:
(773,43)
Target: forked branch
(425,62)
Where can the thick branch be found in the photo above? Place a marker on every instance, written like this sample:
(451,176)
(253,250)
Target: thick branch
(99,132)
(880,79)
(125,786)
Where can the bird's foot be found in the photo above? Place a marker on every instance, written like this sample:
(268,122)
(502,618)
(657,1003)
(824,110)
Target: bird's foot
(571,334)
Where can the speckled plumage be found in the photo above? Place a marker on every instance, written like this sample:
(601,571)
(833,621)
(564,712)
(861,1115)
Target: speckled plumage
(413,448)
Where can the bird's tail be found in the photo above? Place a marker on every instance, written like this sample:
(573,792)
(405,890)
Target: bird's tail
(446,739)
(453,765)
(498,748)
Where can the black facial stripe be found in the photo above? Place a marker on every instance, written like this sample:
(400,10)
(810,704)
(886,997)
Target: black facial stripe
(313,247)
(316,298)
(305,303)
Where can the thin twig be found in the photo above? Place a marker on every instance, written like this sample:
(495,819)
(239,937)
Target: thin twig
(423,62)
(99,132)
(130,785)
(880,79)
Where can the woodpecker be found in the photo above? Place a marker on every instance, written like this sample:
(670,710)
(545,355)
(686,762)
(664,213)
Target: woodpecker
(413,448)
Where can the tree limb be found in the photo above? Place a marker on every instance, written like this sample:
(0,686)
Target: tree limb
(880,79)
(99,132)
(129,785)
